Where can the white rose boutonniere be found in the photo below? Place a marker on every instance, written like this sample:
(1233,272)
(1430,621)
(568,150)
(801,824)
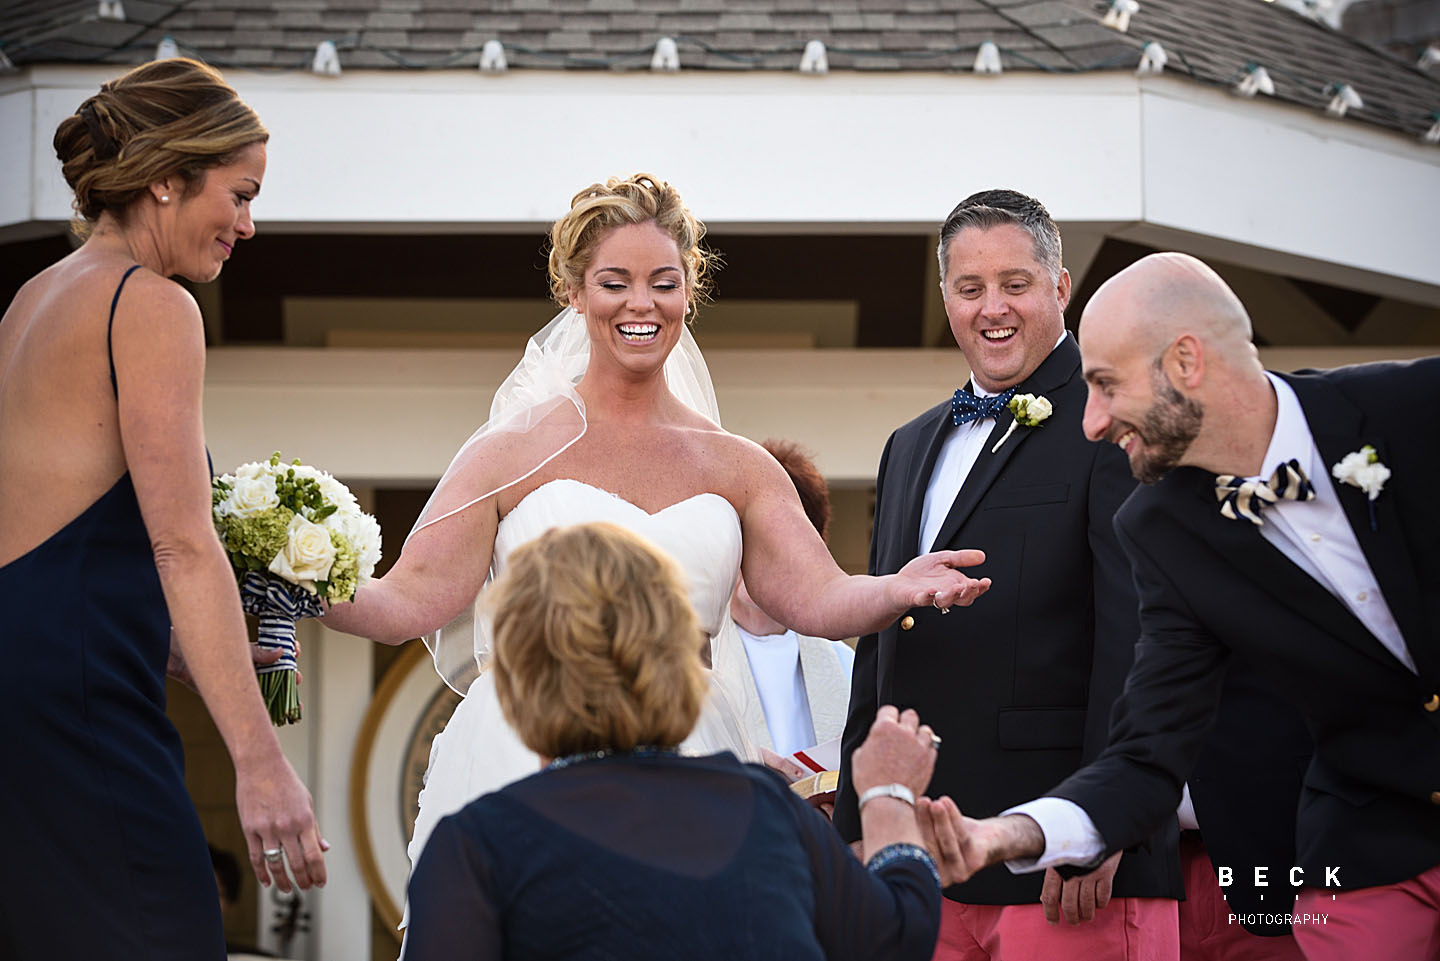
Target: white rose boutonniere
(1030,410)
(1362,469)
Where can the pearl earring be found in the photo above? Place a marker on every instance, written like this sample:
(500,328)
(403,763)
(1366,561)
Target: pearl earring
(164,198)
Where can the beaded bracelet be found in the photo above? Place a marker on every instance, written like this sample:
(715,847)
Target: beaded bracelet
(891,853)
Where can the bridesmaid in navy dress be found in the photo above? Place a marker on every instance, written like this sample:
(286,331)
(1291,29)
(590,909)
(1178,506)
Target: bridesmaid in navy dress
(110,569)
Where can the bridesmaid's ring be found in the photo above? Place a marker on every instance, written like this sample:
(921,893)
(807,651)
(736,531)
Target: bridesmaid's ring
(273,854)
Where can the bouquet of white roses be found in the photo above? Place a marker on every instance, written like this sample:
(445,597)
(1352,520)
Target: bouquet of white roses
(295,536)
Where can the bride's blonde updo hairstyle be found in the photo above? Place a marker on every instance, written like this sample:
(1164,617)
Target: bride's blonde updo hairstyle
(638,199)
(175,117)
(596,644)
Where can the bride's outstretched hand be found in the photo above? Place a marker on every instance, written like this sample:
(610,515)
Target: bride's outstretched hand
(935,579)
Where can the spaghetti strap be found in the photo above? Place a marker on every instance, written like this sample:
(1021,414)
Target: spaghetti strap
(110,328)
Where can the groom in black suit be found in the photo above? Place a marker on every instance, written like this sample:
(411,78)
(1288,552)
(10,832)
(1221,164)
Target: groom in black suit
(1019,686)
(1292,521)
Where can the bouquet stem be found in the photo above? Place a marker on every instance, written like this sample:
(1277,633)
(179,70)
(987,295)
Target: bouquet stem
(282,696)
(278,605)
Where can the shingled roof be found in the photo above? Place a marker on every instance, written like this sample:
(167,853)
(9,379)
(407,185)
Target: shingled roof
(1211,41)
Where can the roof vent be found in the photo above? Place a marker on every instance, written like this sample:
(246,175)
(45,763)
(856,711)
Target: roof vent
(1256,80)
(813,60)
(327,59)
(1118,16)
(1345,99)
(1152,59)
(492,57)
(667,56)
(987,58)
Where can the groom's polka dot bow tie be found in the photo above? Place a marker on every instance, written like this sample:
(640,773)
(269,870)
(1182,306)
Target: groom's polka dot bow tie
(1244,498)
(965,406)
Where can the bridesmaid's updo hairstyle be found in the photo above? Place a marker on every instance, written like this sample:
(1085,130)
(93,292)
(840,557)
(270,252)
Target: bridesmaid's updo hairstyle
(639,199)
(162,119)
(596,646)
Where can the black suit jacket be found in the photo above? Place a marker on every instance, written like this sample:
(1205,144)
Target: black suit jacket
(1245,786)
(1213,589)
(1020,684)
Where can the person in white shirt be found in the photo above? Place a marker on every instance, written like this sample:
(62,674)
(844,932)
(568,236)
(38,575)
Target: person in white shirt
(791,689)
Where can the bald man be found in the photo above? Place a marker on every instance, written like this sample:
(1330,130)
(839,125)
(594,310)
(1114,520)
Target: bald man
(1326,581)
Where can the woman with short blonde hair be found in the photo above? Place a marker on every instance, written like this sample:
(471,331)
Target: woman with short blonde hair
(621,847)
(596,645)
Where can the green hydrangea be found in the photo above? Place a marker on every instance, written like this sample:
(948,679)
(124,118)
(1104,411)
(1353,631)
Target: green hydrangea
(344,572)
(251,538)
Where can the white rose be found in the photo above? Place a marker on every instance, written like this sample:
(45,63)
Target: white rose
(1039,408)
(307,556)
(251,496)
(253,470)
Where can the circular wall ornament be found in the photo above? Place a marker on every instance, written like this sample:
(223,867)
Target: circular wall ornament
(387,771)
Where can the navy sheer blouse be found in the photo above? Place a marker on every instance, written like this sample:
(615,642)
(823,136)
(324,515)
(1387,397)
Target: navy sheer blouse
(659,857)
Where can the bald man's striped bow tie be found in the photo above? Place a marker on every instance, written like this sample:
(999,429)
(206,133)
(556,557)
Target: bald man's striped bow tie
(1245,498)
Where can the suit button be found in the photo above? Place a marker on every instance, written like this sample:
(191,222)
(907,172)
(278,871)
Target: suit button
(908,622)
(1435,797)
(1433,704)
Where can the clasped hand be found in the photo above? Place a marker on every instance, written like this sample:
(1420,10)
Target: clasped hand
(262,657)
(961,845)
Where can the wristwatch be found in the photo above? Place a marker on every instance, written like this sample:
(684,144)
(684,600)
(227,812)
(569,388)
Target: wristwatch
(898,791)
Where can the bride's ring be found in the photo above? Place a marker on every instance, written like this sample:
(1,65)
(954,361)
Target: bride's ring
(273,854)
(935,740)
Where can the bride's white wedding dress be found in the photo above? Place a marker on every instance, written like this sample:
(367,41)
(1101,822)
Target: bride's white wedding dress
(478,752)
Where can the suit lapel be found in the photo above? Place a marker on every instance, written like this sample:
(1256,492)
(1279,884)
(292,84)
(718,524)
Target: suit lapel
(1253,557)
(1338,428)
(1054,372)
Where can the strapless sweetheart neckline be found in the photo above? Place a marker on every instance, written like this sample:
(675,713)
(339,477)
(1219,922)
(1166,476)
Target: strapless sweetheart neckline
(629,503)
(478,751)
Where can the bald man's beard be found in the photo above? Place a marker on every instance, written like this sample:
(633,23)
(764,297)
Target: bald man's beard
(1170,426)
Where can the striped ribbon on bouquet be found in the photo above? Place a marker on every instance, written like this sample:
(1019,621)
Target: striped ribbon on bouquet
(279,605)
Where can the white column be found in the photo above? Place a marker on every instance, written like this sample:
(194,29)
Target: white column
(298,743)
(340,922)
(336,690)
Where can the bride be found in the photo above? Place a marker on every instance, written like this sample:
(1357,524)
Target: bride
(611,416)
